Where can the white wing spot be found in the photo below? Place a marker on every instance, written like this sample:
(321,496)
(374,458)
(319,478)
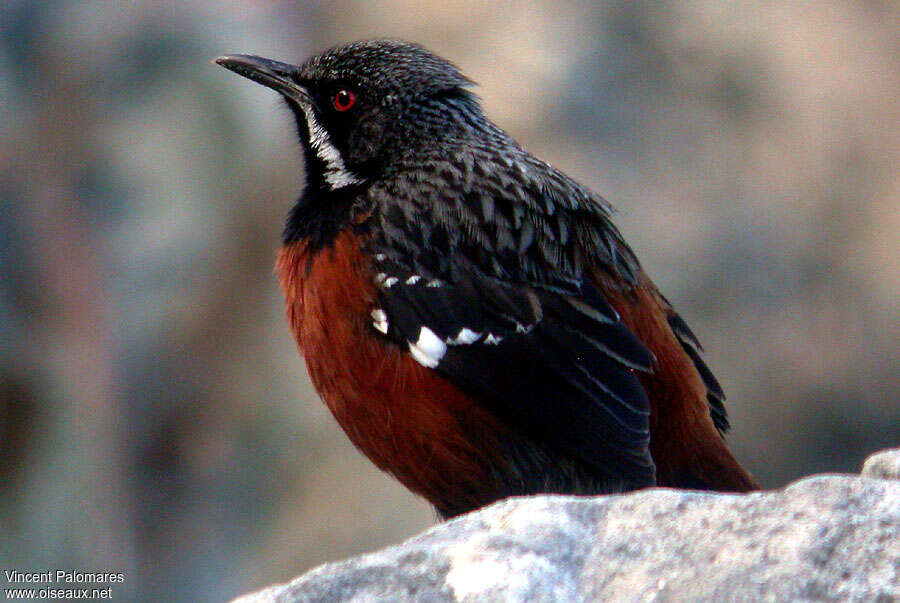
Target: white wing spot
(413,279)
(380,320)
(390,281)
(379,278)
(434,283)
(492,339)
(428,349)
(380,257)
(465,336)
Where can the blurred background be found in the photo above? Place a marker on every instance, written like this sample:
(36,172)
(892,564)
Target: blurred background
(155,418)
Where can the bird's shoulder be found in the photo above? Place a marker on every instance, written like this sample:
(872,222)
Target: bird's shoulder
(513,216)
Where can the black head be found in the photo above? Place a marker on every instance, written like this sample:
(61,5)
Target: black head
(361,106)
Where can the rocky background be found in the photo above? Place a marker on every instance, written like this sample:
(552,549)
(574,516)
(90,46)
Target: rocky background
(154,416)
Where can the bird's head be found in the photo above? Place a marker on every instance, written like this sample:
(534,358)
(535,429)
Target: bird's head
(365,105)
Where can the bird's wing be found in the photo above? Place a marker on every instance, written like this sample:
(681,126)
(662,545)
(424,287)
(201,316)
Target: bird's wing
(482,261)
(560,366)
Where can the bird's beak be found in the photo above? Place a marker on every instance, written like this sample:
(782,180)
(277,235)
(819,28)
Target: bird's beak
(272,74)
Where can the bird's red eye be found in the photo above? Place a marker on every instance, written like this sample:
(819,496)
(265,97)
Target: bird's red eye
(344,100)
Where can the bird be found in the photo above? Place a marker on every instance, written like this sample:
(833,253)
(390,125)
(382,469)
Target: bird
(471,315)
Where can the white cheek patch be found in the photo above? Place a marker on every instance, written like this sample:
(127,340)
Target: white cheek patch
(336,174)
(428,349)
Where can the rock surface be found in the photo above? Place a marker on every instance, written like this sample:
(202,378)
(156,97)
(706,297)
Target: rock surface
(883,465)
(828,537)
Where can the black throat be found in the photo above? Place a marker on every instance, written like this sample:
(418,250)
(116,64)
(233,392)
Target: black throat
(320,215)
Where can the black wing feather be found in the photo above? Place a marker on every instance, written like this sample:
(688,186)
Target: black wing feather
(715,397)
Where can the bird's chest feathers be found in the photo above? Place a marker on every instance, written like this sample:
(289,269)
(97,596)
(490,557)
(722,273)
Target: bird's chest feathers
(329,294)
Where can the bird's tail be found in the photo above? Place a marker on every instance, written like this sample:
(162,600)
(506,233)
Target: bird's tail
(711,467)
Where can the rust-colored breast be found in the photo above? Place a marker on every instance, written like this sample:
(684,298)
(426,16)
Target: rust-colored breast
(687,448)
(404,417)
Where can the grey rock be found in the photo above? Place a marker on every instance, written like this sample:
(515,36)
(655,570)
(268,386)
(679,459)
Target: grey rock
(883,465)
(823,538)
